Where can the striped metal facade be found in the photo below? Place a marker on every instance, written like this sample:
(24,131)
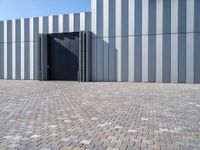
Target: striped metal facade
(18,41)
(146,41)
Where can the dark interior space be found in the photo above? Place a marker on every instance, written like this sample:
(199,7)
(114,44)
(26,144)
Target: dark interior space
(63,56)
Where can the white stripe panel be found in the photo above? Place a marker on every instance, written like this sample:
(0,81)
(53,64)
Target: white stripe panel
(82,21)
(131,39)
(174,16)
(50,24)
(40,25)
(118,12)
(174,41)
(190,16)
(131,57)
(118,19)
(174,58)
(22,48)
(94,17)
(145,6)
(5,50)
(118,51)
(159,16)
(190,58)
(13,49)
(159,40)
(105,18)
(60,23)
(71,22)
(31,47)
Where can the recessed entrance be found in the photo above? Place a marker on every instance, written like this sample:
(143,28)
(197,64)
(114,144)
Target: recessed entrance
(65,56)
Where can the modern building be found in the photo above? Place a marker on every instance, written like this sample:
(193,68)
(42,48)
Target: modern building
(119,40)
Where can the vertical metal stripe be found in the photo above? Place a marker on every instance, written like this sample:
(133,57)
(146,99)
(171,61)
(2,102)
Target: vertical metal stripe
(45,24)
(118,51)
(112,60)
(22,48)
(190,57)
(105,59)
(124,19)
(124,59)
(159,42)
(60,23)
(99,18)
(196,16)
(94,17)
(55,24)
(182,16)
(31,47)
(40,25)
(94,59)
(1,60)
(152,58)
(131,59)
(13,49)
(71,22)
(131,40)
(138,59)
(138,17)
(82,22)
(145,24)
(174,16)
(174,57)
(87,21)
(196,57)
(1,31)
(50,24)
(112,18)
(65,23)
(151,25)
(5,50)
(9,49)
(166,16)
(27,49)
(166,58)
(77,22)
(118,23)
(18,49)
(190,16)
(100,67)
(106,18)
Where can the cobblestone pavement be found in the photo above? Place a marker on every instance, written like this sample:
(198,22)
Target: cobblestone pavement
(99,116)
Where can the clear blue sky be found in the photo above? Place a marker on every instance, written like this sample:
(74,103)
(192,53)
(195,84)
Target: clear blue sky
(13,9)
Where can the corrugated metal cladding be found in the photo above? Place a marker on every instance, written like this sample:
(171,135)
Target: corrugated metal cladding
(146,41)
(18,41)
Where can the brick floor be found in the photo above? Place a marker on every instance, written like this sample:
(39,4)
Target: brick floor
(99,116)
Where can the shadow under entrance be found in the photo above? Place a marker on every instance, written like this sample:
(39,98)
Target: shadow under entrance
(65,56)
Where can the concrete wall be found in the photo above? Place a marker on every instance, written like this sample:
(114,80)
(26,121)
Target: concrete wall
(146,40)
(18,41)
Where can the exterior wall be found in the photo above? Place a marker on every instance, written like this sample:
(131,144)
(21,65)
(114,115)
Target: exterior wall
(18,42)
(146,41)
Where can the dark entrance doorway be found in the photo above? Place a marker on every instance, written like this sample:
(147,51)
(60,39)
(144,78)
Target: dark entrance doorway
(63,55)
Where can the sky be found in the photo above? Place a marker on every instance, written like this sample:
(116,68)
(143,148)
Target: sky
(15,9)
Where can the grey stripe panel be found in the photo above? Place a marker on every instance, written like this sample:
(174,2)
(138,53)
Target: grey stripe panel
(65,23)
(125,17)
(1,32)
(166,16)
(1,61)
(9,60)
(105,59)
(27,60)
(197,57)
(55,24)
(152,16)
(18,60)
(94,59)
(138,17)
(197,16)
(99,18)
(9,31)
(45,24)
(181,58)
(152,58)
(100,59)
(112,60)
(182,16)
(138,59)
(18,31)
(166,58)
(124,59)
(112,18)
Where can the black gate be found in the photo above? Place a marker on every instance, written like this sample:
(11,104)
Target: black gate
(65,56)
